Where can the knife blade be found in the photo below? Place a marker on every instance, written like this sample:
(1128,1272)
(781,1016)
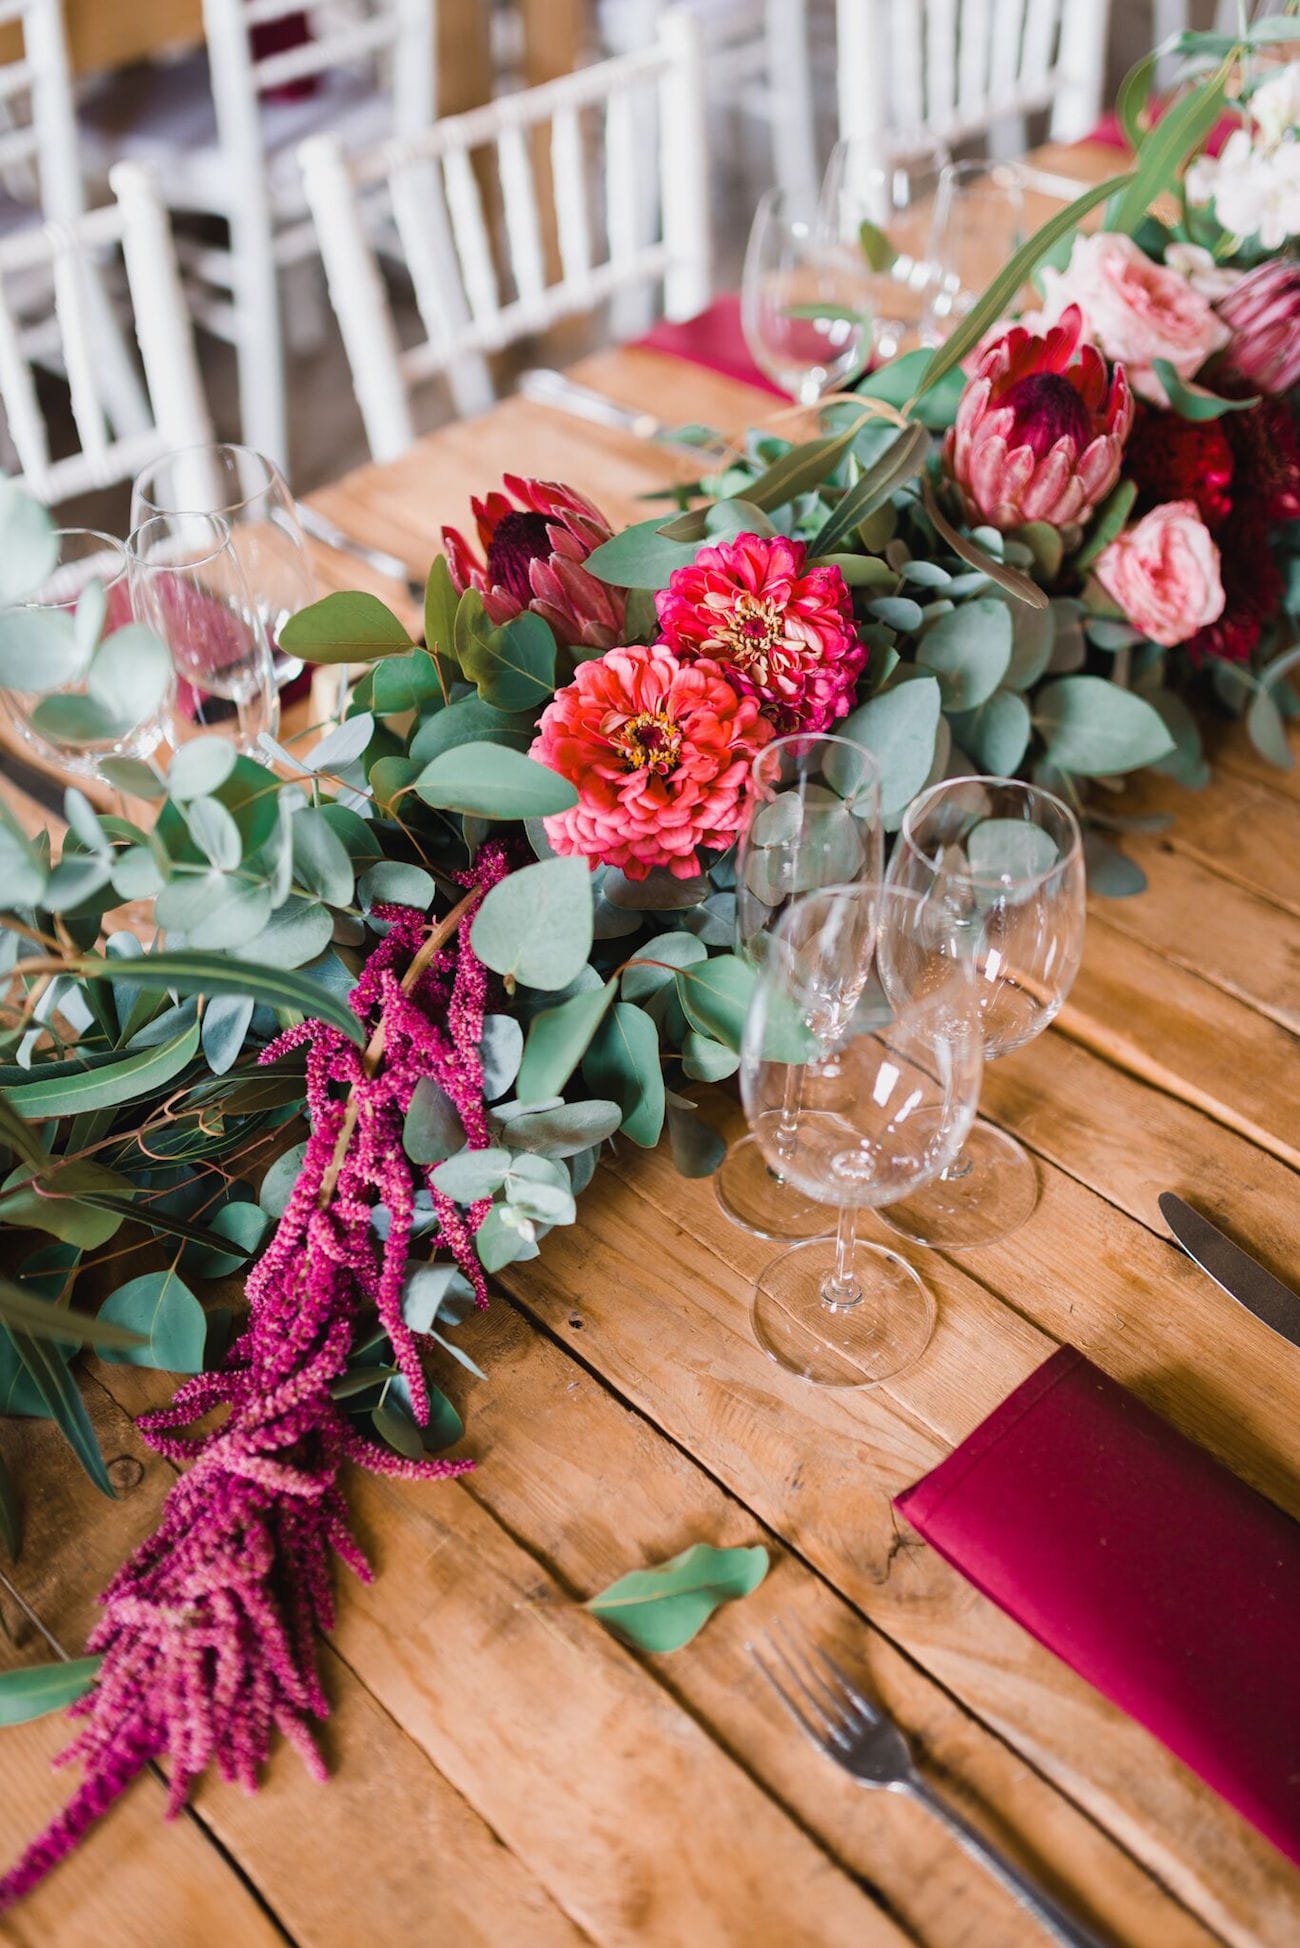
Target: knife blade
(1242,1277)
(321,528)
(546,387)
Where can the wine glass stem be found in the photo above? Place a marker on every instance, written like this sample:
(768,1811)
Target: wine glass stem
(787,1130)
(841,1288)
(961,1166)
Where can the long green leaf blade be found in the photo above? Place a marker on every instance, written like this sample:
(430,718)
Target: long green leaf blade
(904,457)
(58,1390)
(41,1688)
(1009,279)
(211,973)
(109,1085)
(24,1312)
(1163,151)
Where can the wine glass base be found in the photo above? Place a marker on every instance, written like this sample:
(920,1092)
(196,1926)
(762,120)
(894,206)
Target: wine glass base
(992,1197)
(859,1346)
(753,1196)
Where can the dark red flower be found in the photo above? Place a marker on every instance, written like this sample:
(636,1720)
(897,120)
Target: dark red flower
(1252,589)
(1175,459)
(1267,452)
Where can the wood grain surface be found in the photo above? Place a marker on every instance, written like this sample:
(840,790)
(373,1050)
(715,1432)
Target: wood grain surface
(505,1771)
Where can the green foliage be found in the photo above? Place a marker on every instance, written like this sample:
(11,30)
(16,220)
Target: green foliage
(535,925)
(345,628)
(661,1609)
(165,1316)
(35,1690)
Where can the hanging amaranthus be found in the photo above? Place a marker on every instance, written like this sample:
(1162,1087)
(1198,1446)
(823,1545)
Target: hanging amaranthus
(208,1636)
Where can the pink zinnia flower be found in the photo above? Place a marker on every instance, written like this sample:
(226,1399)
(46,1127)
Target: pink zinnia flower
(659,752)
(533,559)
(1039,433)
(1264,315)
(783,634)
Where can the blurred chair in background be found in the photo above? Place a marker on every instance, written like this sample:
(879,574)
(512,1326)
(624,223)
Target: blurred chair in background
(221,126)
(70,256)
(966,70)
(429,185)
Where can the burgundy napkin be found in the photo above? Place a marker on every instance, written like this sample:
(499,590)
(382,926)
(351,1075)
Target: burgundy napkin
(1140,1560)
(712,338)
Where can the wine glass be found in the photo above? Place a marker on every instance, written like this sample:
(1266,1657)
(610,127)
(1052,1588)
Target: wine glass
(979,218)
(188,586)
(805,298)
(84,556)
(888,1086)
(880,195)
(815,822)
(251,495)
(998,865)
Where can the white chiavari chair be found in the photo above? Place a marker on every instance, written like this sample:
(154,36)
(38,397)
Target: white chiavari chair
(966,70)
(221,128)
(72,254)
(430,184)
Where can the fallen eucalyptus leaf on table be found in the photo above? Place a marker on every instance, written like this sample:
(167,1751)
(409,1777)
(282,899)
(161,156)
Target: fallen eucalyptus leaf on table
(662,1608)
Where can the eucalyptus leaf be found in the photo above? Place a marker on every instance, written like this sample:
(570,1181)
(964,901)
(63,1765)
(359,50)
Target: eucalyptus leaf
(493,781)
(29,545)
(535,925)
(697,1147)
(433,1130)
(345,628)
(321,862)
(392,882)
(21,1312)
(1094,727)
(501,1049)
(661,1609)
(278,1183)
(559,1037)
(968,650)
(898,726)
(472,1174)
(640,557)
(564,1130)
(58,1390)
(622,1063)
(39,649)
(996,735)
(715,995)
(161,1309)
(35,1690)
(200,767)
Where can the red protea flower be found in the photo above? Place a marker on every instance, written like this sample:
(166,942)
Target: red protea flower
(1175,459)
(784,634)
(535,538)
(659,751)
(1263,311)
(1040,432)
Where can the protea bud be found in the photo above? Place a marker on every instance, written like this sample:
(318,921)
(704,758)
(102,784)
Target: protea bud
(1263,313)
(535,538)
(1040,432)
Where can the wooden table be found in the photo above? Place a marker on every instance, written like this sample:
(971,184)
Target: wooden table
(505,1772)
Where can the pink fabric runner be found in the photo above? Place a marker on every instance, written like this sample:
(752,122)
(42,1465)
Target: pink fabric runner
(712,338)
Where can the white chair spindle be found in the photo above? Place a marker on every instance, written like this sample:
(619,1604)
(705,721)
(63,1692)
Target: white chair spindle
(18,397)
(973,60)
(569,178)
(940,61)
(905,58)
(519,197)
(472,247)
(78,360)
(162,325)
(684,166)
(1041,20)
(621,177)
(424,232)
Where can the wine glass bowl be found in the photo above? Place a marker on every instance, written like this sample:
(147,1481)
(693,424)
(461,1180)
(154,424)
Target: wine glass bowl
(887,1087)
(815,821)
(997,868)
(879,196)
(805,300)
(979,216)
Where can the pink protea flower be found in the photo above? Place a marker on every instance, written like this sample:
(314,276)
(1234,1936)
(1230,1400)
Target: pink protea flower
(783,633)
(1263,312)
(535,538)
(1039,433)
(659,751)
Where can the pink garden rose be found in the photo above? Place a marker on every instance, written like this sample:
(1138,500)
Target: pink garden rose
(1164,573)
(1134,310)
(782,632)
(1040,430)
(659,752)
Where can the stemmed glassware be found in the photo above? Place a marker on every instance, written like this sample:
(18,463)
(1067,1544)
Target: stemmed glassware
(979,218)
(188,586)
(251,495)
(59,721)
(998,868)
(888,1086)
(805,298)
(816,822)
(880,197)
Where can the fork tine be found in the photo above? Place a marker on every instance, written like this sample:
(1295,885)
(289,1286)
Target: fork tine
(805,1724)
(830,1707)
(870,1713)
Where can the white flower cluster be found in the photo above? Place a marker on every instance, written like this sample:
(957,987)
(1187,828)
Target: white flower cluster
(1254,183)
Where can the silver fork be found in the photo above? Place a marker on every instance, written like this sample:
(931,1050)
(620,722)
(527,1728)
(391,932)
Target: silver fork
(862,1738)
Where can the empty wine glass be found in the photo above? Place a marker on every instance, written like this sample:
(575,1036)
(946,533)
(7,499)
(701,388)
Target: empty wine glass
(815,822)
(998,868)
(805,298)
(880,195)
(188,586)
(40,716)
(887,1091)
(979,219)
(251,495)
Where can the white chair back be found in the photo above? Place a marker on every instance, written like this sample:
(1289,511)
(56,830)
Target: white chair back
(38,126)
(964,69)
(430,185)
(72,255)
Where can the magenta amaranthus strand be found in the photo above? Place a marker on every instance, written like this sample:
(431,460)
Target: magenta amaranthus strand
(208,1636)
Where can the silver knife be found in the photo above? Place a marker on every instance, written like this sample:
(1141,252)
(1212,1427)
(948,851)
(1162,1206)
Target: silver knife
(321,528)
(547,387)
(1242,1277)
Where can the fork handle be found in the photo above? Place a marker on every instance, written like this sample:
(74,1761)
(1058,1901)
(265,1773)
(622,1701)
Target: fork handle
(1059,1925)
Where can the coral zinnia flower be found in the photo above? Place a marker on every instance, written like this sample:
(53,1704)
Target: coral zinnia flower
(784,634)
(659,752)
(533,556)
(1039,434)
